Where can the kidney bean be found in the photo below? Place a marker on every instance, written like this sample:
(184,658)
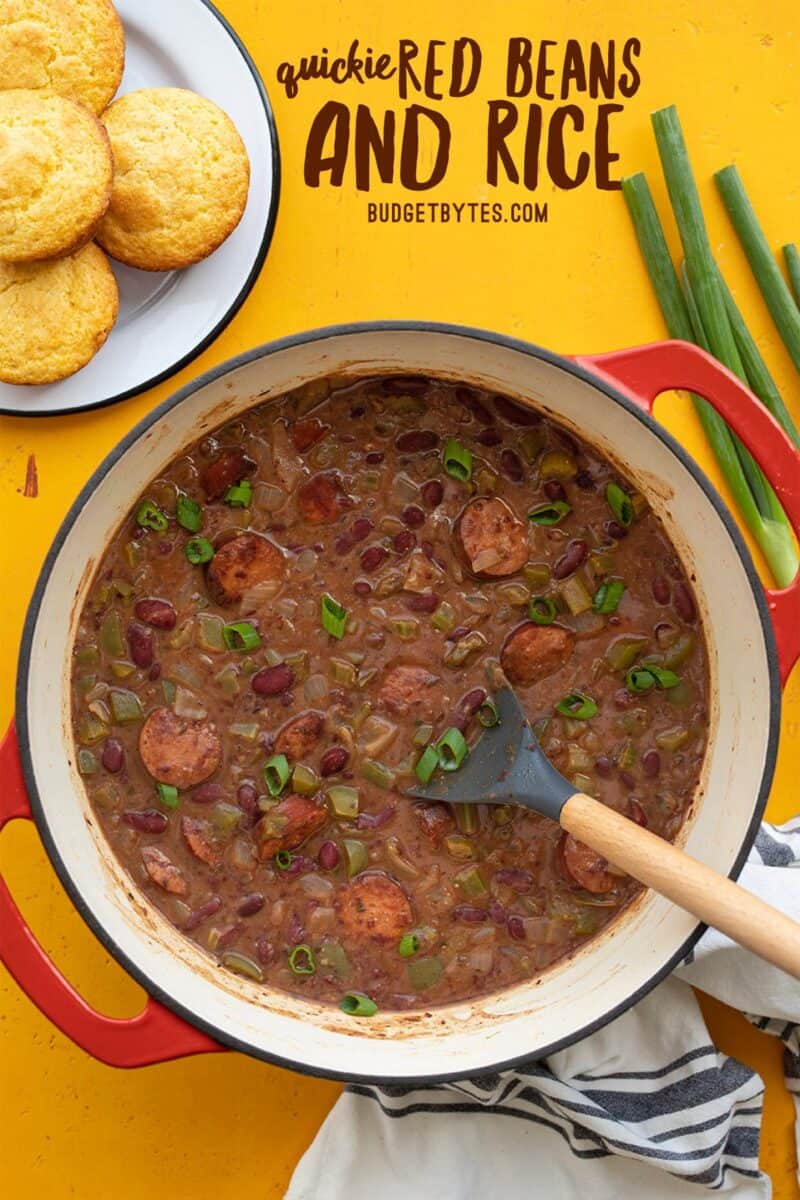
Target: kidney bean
(554,490)
(433,493)
(424,602)
(516,927)
(375,820)
(660,589)
(604,766)
(515,413)
(627,779)
(140,644)
(361,528)
(372,558)
(154,673)
(147,820)
(417,440)
(251,905)
(623,698)
(374,458)
(113,756)
(404,541)
(265,951)
(247,797)
(334,761)
(651,764)
(201,914)
(615,530)
(518,880)
(296,931)
(229,936)
(328,856)
(362,587)
(208,793)
(683,602)
(272,681)
(489,437)
(301,863)
(584,481)
(497,913)
(574,556)
(343,544)
(472,701)
(413,516)
(401,385)
(511,465)
(457,634)
(459,721)
(636,812)
(467,912)
(158,613)
(358,411)
(468,398)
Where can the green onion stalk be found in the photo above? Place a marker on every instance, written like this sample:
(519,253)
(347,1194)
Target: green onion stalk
(792,258)
(703,314)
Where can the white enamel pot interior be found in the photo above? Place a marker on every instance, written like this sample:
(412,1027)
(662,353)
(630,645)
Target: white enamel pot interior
(532,1018)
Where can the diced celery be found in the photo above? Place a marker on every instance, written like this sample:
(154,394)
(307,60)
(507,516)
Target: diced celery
(272,657)
(623,651)
(331,957)
(633,720)
(458,652)
(85,683)
(677,654)
(389,584)
(188,706)
(377,773)
(578,759)
(459,847)
(125,705)
(111,635)
(123,588)
(168,691)
(343,801)
(106,795)
(133,552)
(299,664)
(626,755)
(532,443)
(584,783)
(400,863)
(87,656)
(423,973)
(640,505)
(305,781)
(672,739)
(575,595)
(342,672)
(601,564)
(537,575)
(406,628)
(423,735)
(182,635)
(245,730)
(226,819)
(514,593)
(209,632)
(466,817)
(558,465)
(681,696)
(485,480)
(445,617)
(228,680)
(122,668)
(356,858)
(502,814)
(240,964)
(469,882)
(87,763)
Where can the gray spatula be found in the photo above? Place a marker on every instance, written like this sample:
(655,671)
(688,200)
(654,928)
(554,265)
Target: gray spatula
(507,766)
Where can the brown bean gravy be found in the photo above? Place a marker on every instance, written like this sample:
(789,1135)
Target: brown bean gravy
(302,616)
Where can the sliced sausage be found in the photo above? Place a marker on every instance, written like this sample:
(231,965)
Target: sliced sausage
(374,908)
(199,837)
(163,871)
(307,433)
(586,866)
(179,752)
(322,499)
(299,737)
(532,652)
(241,564)
(408,689)
(229,467)
(435,821)
(290,823)
(494,540)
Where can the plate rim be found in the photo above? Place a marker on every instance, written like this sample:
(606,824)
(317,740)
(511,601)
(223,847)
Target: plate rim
(247,286)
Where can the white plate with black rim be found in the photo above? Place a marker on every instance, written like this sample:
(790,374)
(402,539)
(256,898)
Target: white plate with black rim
(167,319)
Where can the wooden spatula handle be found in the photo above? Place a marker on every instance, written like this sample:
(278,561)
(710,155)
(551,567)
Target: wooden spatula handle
(690,884)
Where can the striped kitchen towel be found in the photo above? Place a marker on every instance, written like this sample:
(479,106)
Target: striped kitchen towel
(645,1107)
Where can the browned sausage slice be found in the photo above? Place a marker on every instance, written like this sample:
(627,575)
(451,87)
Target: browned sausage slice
(199,838)
(322,498)
(229,467)
(298,737)
(241,564)
(532,652)
(179,752)
(493,539)
(435,821)
(586,866)
(408,689)
(374,908)
(163,872)
(307,433)
(288,825)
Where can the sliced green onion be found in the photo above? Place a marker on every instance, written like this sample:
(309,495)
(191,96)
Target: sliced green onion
(664,679)
(240,495)
(640,679)
(409,945)
(578,706)
(792,256)
(283,860)
(608,595)
(167,795)
(542,610)
(427,764)
(241,636)
(488,714)
(334,617)
(189,513)
(457,460)
(276,774)
(199,550)
(452,749)
(150,516)
(550,514)
(301,960)
(620,504)
(356,1004)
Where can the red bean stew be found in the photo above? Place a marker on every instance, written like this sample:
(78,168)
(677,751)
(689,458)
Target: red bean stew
(299,621)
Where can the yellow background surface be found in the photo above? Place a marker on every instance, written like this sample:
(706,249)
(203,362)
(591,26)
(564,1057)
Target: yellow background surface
(226,1125)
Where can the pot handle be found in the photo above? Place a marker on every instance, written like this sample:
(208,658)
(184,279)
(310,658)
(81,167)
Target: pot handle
(643,372)
(155,1035)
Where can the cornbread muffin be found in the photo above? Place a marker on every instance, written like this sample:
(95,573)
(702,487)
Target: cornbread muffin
(55,316)
(62,47)
(56,173)
(182,178)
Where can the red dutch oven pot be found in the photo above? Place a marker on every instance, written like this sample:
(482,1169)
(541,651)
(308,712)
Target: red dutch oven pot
(754,641)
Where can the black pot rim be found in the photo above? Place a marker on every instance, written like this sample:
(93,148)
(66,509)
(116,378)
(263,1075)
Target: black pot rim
(247,286)
(265,351)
